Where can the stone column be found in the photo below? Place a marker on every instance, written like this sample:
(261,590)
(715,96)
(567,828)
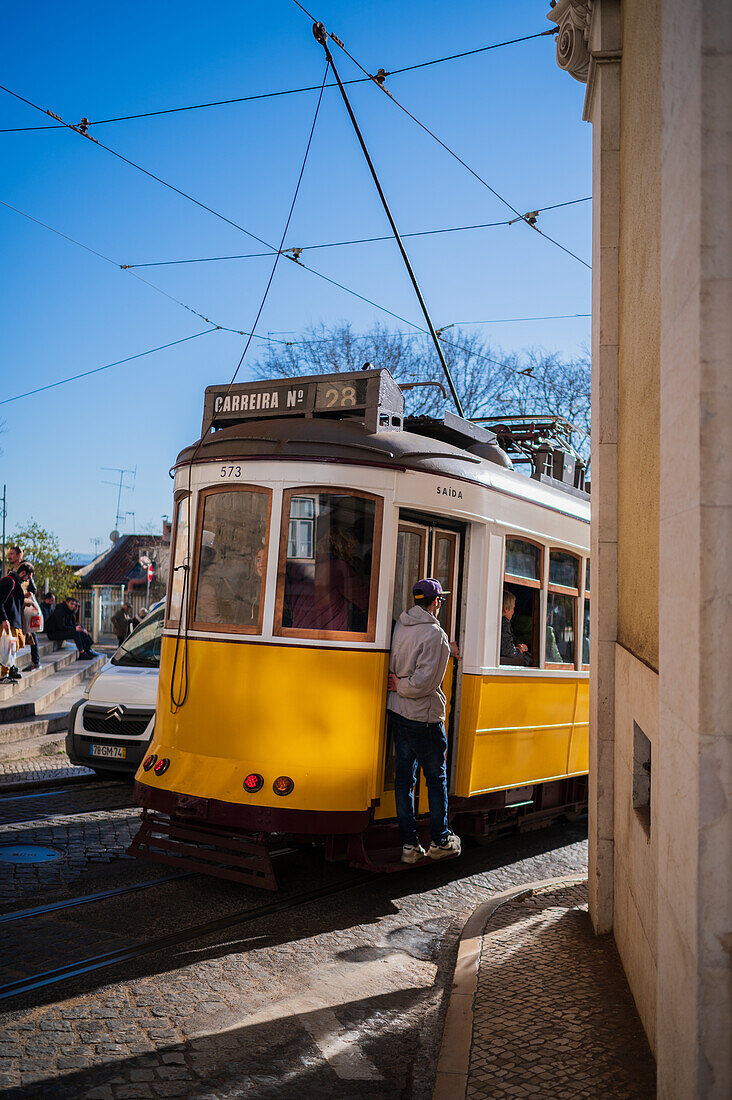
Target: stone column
(588,47)
(695,767)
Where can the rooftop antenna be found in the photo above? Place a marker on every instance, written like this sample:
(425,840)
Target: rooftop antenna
(321,36)
(120,486)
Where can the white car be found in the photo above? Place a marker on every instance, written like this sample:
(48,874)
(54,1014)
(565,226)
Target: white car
(111,726)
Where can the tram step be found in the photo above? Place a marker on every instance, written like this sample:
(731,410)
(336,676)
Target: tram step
(29,701)
(50,663)
(223,853)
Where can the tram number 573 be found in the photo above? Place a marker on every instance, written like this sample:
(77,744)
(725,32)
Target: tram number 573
(230,471)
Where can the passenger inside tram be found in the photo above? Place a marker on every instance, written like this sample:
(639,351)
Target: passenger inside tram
(231,559)
(328,570)
(517,626)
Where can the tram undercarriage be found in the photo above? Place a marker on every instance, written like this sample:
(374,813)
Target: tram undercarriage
(184,838)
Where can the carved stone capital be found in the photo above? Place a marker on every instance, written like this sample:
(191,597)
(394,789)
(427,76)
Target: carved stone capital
(573,17)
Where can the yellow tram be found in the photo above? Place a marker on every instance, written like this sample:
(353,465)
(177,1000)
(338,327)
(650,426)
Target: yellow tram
(303,517)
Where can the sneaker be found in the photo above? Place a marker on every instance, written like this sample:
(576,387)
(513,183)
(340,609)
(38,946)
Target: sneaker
(14,675)
(87,656)
(449,847)
(34,667)
(411,853)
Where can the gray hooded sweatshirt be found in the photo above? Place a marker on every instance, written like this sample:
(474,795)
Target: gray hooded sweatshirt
(419,655)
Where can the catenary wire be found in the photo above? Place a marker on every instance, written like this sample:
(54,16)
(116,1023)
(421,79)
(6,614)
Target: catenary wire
(379,84)
(276,252)
(139,168)
(203,206)
(96,370)
(360,240)
(284,92)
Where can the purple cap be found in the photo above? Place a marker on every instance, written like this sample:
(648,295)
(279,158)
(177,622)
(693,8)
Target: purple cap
(428,589)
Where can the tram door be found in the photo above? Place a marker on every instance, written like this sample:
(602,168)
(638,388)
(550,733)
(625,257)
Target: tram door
(423,550)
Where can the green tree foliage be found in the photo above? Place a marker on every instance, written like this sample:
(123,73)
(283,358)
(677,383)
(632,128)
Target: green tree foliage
(489,381)
(41,547)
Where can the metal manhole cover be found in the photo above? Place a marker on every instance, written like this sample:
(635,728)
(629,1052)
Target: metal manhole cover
(28,853)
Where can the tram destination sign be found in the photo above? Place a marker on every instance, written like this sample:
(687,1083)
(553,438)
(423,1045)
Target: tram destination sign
(371,395)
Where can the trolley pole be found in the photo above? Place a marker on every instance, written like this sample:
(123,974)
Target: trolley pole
(321,36)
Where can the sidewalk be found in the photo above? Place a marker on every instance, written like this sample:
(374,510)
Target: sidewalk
(540,1007)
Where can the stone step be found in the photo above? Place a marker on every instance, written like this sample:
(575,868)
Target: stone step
(53,744)
(52,719)
(50,663)
(31,702)
(44,649)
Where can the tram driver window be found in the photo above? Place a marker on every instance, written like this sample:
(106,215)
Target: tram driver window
(326,572)
(232,558)
(522,577)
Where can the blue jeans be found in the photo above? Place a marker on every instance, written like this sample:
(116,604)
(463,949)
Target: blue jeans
(424,745)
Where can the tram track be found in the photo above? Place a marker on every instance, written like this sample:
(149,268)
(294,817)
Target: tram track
(86,899)
(172,939)
(82,783)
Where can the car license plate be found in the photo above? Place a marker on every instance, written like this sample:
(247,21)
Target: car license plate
(119,752)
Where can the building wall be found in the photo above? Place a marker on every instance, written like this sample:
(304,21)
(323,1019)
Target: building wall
(639,299)
(659,97)
(695,760)
(638,481)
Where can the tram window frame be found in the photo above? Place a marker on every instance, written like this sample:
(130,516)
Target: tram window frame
(228,628)
(512,580)
(179,498)
(586,597)
(278,629)
(570,593)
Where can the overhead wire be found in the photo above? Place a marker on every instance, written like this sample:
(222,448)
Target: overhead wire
(96,370)
(379,84)
(229,221)
(283,92)
(359,240)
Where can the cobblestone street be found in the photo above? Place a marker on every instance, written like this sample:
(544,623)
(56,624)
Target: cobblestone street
(342,996)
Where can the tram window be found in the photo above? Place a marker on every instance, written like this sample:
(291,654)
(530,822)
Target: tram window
(563,569)
(561,609)
(586,635)
(327,578)
(409,566)
(232,559)
(523,559)
(586,619)
(524,624)
(523,578)
(180,553)
(560,630)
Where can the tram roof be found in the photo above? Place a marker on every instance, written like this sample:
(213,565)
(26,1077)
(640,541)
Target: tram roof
(350,442)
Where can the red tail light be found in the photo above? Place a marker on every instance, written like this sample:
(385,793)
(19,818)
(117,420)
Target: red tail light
(162,766)
(253,783)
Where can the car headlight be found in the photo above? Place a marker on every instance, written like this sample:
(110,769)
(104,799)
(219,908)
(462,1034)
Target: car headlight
(91,683)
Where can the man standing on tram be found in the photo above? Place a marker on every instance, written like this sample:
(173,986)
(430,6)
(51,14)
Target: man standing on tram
(415,706)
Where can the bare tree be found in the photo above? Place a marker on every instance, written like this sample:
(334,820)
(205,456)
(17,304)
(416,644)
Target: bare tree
(489,381)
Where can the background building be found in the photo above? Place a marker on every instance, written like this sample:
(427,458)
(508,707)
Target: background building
(659,98)
(118,576)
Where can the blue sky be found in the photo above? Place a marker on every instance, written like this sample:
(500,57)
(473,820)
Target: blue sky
(510,113)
